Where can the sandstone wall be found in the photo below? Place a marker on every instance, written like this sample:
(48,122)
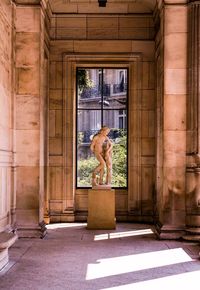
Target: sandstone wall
(6,125)
(84,39)
(30,119)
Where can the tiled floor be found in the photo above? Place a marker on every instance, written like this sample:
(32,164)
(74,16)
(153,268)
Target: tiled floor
(73,258)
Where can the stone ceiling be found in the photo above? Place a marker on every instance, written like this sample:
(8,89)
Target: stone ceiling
(91,6)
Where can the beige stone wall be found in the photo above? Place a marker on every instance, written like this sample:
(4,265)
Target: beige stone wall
(136,203)
(6,125)
(30,103)
(171,43)
(85,26)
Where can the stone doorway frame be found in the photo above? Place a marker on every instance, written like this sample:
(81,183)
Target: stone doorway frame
(128,201)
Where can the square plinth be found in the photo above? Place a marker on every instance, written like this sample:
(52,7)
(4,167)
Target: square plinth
(101,209)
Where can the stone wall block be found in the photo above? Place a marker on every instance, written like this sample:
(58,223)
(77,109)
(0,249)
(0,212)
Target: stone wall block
(27,112)
(133,21)
(28,80)
(146,48)
(56,100)
(59,123)
(131,33)
(27,47)
(102,46)
(175,50)
(102,33)
(148,99)
(63,33)
(71,22)
(171,145)
(27,187)
(175,19)
(148,146)
(27,19)
(56,182)
(175,116)
(148,124)
(175,81)
(55,146)
(27,147)
(102,22)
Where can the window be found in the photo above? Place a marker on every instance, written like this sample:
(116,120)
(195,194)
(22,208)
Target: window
(101,101)
(122,119)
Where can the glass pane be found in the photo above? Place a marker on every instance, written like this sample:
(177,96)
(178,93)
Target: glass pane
(89,82)
(88,124)
(114,88)
(111,119)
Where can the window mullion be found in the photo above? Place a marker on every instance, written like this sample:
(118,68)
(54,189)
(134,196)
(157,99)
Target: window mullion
(102,121)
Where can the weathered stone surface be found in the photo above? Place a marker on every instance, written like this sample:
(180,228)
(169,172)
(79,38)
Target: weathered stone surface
(157,115)
(7,240)
(27,187)
(6,90)
(27,112)
(27,19)
(27,46)
(28,80)
(101,209)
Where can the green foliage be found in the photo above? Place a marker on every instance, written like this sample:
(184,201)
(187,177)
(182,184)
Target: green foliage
(84,81)
(85,168)
(80,137)
(119,166)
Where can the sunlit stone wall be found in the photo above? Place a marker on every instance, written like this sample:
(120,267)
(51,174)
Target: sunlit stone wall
(6,124)
(93,36)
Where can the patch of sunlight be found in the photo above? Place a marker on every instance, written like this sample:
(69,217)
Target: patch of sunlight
(182,281)
(64,225)
(131,263)
(123,234)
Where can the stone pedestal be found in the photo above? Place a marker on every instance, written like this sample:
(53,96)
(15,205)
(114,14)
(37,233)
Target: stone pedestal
(101,209)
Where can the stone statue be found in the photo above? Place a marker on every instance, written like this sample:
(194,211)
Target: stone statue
(101,146)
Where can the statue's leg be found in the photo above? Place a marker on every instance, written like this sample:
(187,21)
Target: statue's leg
(109,175)
(94,179)
(101,175)
(100,167)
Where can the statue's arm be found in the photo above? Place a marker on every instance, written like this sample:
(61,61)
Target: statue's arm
(93,144)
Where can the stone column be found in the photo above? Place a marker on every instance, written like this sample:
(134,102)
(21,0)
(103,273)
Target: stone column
(193,125)
(172,214)
(29,50)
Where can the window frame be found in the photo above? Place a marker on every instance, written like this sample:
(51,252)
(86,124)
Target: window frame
(102,109)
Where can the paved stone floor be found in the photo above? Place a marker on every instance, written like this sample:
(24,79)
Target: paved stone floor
(73,258)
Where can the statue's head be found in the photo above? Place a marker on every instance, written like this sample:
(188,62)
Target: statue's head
(105,130)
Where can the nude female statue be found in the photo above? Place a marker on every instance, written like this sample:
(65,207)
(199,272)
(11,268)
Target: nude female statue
(101,146)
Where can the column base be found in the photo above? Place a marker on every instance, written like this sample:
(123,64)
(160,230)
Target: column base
(32,231)
(169,232)
(101,209)
(192,234)
(6,241)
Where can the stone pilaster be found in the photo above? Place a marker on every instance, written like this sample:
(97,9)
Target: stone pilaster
(193,125)
(29,143)
(172,201)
